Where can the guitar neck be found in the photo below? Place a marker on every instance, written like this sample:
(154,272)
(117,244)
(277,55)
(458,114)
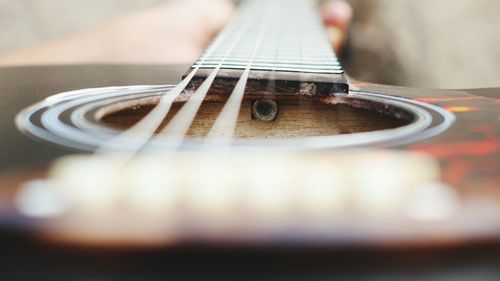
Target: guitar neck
(283,41)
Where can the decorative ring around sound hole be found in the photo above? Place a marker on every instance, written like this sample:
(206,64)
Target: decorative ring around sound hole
(85,119)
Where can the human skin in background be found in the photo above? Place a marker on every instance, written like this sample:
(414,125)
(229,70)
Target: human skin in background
(174,33)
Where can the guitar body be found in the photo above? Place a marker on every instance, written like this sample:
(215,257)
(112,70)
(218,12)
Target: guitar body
(319,168)
(467,149)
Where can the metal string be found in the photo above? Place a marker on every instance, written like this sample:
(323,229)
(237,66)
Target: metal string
(179,126)
(222,132)
(142,132)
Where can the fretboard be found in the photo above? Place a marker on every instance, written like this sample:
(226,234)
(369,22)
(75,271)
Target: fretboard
(274,35)
(284,45)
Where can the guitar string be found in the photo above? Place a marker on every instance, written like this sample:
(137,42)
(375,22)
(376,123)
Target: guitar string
(142,132)
(224,127)
(146,127)
(223,130)
(179,126)
(149,124)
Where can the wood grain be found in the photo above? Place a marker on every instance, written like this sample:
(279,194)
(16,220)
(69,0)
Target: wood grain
(297,118)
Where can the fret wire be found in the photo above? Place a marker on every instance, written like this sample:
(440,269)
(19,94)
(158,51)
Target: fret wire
(284,60)
(285,69)
(270,65)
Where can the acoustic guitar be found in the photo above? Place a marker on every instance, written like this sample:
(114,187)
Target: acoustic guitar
(265,144)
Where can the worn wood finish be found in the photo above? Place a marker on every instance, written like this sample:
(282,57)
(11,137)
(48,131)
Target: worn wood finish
(296,118)
(274,83)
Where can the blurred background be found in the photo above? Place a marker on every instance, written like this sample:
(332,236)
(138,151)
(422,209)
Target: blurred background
(425,43)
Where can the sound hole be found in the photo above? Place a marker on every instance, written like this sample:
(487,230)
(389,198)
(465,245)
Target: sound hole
(295,118)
